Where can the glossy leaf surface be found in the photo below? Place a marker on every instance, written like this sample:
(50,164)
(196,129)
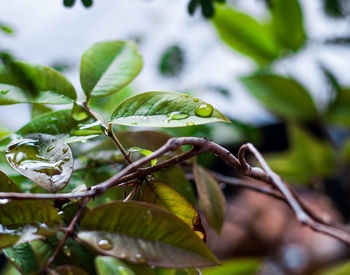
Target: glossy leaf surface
(27,83)
(44,159)
(165,109)
(211,197)
(147,234)
(284,97)
(107,67)
(164,196)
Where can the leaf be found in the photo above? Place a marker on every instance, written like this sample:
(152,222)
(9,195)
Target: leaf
(165,109)
(287,23)
(246,35)
(70,270)
(111,266)
(283,96)
(338,111)
(22,82)
(144,152)
(342,268)
(7,185)
(60,124)
(175,178)
(211,197)
(244,266)
(307,158)
(40,109)
(147,234)
(6,29)
(44,159)
(172,62)
(107,67)
(22,256)
(25,220)
(168,198)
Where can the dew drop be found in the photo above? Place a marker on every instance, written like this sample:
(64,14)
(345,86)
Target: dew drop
(195,99)
(124,256)
(139,258)
(50,148)
(204,110)
(190,123)
(84,141)
(52,119)
(65,150)
(105,244)
(67,251)
(66,159)
(133,123)
(177,116)
(4,92)
(187,96)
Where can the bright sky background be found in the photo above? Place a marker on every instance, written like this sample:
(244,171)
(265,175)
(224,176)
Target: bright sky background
(47,32)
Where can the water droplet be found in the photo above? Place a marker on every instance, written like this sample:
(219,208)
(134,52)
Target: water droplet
(67,250)
(187,96)
(190,123)
(177,116)
(4,92)
(4,201)
(139,258)
(121,268)
(84,141)
(204,110)
(50,148)
(65,150)
(105,244)
(195,99)
(124,256)
(66,159)
(52,119)
(133,123)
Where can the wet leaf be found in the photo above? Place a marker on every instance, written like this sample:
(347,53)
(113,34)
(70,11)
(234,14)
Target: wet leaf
(107,67)
(44,159)
(22,256)
(284,97)
(242,266)
(106,265)
(166,197)
(147,234)
(211,197)
(22,82)
(25,220)
(7,185)
(165,109)
(246,35)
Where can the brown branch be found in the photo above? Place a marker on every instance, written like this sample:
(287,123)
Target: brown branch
(69,231)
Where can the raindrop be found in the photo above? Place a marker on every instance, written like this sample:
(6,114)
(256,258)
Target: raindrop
(139,258)
(134,123)
(195,99)
(187,96)
(50,148)
(124,256)
(66,159)
(52,119)
(190,123)
(65,150)
(84,141)
(204,110)
(4,92)
(105,244)
(67,250)
(177,116)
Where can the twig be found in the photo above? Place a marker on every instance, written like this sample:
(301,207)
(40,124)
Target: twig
(68,232)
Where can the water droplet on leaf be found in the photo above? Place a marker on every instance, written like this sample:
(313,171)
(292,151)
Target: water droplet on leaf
(204,110)
(4,92)
(190,123)
(67,250)
(133,123)
(177,116)
(51,147)
(124,256)
(65,150)
(105,244)
(139,258)
(187,96)
(195,99)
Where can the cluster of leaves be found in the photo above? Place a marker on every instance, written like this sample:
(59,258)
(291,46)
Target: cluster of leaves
(158,227)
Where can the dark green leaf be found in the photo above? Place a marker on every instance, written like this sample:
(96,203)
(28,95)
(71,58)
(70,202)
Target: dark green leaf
(22,257)
(287,22)
(107,67)
(283,96)
(44,159)
(106,265)
(6,29)
(211,197)
(147,234)
(40,109)
(235,267)
(22,221)
(172,61)
(165,109)
(7,185)
(22,82)
(339,111)
(166,197)
(70,270)
(246,35)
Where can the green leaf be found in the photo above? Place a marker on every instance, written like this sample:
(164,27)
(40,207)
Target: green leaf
(172,62)
(147,234)
(6,184)
(44,159)
(106,265)
(307,158)
(283,96)
(246,35)
(40,109)
(6,29)
(22,82)
(166,197)
(243,266)
(165,109)
(70,270)
(287,23)
(211,197)
(176,178)
(144,152)
(22,256)
(338,111)
(107,67)
(342,268)
(25,220)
